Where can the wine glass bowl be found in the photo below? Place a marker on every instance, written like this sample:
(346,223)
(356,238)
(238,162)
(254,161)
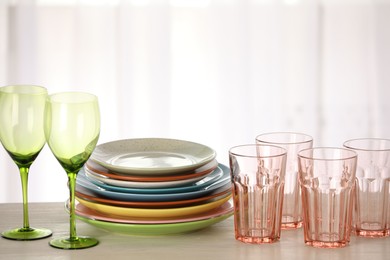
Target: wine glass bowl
(72,128)
(22,136)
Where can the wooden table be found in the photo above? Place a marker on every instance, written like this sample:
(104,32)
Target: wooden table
(215,242)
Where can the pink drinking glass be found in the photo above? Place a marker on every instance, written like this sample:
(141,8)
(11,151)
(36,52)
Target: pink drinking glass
(327,179)
(372,205)
(293,143)
(257,174)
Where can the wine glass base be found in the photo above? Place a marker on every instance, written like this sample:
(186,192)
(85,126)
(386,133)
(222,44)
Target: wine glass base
(78,243)
(26,233)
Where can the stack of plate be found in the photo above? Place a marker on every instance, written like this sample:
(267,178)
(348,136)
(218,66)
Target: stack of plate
(153,186)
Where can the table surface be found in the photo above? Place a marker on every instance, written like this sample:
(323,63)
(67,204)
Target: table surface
(214,242)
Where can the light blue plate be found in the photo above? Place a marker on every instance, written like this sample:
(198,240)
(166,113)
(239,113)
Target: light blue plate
(82,181)
(217,175)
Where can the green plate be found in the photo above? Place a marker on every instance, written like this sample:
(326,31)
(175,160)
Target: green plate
(155,229)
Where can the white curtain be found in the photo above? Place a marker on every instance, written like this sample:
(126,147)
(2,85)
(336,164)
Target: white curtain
(217,72)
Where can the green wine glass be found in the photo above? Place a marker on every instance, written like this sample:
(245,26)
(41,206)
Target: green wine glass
(22,136)
(72,128)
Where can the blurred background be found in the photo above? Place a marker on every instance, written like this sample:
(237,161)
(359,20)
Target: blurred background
(217,72)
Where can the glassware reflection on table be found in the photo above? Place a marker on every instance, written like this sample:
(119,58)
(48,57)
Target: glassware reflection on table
(72,129)
(371,216)
(257,175)
(293,143)
(22,135)
(327,179)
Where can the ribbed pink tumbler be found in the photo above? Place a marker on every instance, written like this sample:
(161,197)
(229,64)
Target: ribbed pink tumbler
(327,179)
(293,143)
(257,174)
(372,205)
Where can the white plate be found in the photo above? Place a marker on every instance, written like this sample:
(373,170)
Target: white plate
(105,173)
(152,156)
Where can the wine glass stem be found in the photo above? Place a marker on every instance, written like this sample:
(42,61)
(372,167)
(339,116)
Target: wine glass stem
(24,179)
(72,182)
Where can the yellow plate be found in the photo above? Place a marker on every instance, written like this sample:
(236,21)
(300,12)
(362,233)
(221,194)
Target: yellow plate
(153,213)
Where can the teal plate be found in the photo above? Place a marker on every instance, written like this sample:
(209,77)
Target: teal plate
(154,229)
(83,182)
